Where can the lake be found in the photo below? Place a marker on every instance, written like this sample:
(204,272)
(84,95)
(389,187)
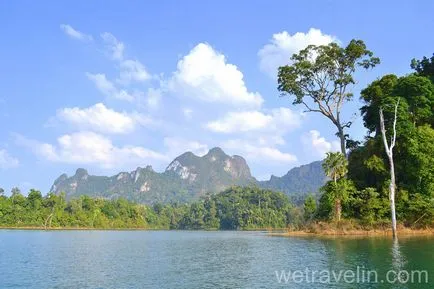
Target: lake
(196,259)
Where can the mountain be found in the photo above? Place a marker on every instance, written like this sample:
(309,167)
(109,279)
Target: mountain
(298,181)
(187,178)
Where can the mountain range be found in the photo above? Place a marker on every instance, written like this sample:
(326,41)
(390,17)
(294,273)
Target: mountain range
(188,177)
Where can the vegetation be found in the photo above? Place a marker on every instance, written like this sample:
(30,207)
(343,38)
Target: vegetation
(405,105)
(319,77)
(234,209)
(335,167)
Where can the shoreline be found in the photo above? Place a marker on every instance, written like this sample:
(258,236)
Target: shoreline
(36,228)
(407,232)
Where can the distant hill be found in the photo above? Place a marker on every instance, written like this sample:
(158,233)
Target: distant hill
(187,178)
(298,181)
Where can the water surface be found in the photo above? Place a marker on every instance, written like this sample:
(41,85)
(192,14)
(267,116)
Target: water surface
(184,259)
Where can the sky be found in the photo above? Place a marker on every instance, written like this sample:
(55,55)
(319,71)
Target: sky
(113,85)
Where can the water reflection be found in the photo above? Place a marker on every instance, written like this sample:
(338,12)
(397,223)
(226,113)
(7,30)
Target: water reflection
(104,259)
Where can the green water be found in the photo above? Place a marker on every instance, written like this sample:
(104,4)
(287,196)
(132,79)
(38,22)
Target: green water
(182,259)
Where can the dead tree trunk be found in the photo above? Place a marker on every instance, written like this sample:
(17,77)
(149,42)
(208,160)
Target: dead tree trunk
(48,220)
(389,152)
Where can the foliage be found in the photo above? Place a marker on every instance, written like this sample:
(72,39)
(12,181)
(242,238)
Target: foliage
(324,74)
(424,67)
(413,154)
(236,208)
(336,167)
(309,207)
(335,199)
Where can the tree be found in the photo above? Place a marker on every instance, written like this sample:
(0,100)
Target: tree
(2,191)
(15,191)
(424,67)
(324,73)
(420,161)
(336,167)
(309,207)
(34,199)
(389,152)
(378,94)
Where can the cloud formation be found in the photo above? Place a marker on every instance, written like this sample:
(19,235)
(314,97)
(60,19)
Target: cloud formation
(75,34)
(204,74)
(89,148)
(283,45)
(132,71)
(102,119)
(7,161)
(317,145)
(107,88)
(204,83)
(279,119)
(258,153)
(115,46)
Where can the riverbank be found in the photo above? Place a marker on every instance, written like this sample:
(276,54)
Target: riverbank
(41,228)
(403,232)
(272,232)
(350,229)
(77,228)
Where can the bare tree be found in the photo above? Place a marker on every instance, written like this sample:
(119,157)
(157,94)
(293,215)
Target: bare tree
(48,220)
(389,152)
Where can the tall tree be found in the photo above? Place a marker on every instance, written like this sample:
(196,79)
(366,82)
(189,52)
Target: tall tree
(323,74)
(389,152)
(335,167)
(424,67)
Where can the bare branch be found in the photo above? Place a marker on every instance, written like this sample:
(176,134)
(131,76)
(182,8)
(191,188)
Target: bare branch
(347,124)
(310,109)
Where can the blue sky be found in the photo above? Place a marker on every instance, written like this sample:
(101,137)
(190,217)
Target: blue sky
(112,85)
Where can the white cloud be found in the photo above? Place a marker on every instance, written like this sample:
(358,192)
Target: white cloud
(204,74)
(153,98)
(107,88)
(71,32)
(7,161)
(280,119)
(177,146)
(317,145)
(132,71)
(283,46)
(258,153)
(115,46)
(92,149)
(102,119)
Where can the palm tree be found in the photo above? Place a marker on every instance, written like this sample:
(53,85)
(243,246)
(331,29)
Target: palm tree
(335,167)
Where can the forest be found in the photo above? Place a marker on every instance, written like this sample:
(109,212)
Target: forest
(234,209)
(390,173)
